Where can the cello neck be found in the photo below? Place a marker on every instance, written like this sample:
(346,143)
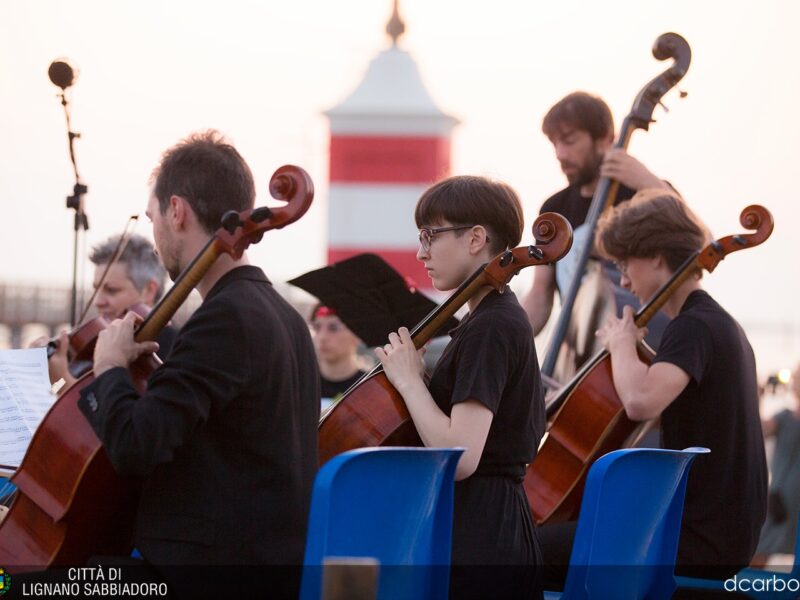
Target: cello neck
(436,319)
(689,267)
(166,308)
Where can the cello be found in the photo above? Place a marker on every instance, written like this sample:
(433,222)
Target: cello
(372,412)
(666,46)
(70,503)
(592,420)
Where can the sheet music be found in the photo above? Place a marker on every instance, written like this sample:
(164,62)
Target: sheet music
(25,398)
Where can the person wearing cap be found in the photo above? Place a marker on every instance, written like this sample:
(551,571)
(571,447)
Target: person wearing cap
(337,354)
(361,300)
(485,393)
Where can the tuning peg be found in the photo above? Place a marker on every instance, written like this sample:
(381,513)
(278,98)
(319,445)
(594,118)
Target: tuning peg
(260,214)
(682,94)
(664,106)
(230,221)
(535,252)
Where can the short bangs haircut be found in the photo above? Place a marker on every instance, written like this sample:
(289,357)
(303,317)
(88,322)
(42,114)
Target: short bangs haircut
(472,200)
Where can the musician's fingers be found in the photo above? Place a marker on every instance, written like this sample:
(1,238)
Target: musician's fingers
(147,347)
(405,335)
(131,318)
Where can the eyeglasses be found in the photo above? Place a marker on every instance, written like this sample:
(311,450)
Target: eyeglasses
(426,234)
(622,267)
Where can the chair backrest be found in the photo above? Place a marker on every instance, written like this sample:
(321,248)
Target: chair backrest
(628,529)
(392,504)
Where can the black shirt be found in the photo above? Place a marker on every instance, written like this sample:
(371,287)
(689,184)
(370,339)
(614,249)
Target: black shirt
(727,489)
(225,436)
(165,341)
(332,389)
(570,203)
(575,207)
(492,359)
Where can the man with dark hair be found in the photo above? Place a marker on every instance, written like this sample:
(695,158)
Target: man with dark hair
(581,129)
(225,437)
(701,383)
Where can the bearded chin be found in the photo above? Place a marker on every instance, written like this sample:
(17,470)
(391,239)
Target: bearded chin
(590,172)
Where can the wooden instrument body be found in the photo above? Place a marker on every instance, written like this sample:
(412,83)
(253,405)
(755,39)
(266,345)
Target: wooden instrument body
(590,423)
(71,504)
(374,414)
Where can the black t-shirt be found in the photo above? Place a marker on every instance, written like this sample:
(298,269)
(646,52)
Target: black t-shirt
(331,389)
(492,359)
(570,203)
(726,497)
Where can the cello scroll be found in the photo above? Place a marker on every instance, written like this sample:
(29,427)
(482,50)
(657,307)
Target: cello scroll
(553,235)
(754,217)
(289,184)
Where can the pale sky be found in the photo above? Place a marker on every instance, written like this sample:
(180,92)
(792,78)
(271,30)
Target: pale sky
(262,72)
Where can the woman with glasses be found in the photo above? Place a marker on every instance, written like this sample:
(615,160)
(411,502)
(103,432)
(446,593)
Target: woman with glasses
(485,393)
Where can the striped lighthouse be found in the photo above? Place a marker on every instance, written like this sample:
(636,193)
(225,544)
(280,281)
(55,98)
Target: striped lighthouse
(389,141)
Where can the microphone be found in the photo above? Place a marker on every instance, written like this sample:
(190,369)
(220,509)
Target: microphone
(61,73)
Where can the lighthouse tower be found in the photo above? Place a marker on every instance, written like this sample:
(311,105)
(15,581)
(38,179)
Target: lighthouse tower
(389,141)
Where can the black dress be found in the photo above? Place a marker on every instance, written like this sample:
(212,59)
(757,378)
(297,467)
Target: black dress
(492,359)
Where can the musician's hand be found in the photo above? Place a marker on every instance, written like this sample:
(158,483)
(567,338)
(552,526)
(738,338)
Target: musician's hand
(116,346)
(57,364)
(621,166)
(620,332)
(401,361)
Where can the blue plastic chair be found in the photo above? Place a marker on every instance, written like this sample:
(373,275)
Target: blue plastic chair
(391,504)
(772,585)
(627,535)
(6,488)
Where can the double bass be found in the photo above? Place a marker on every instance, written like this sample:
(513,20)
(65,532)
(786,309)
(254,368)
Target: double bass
(372,412)
(71,504)
(573,354)
(592,420)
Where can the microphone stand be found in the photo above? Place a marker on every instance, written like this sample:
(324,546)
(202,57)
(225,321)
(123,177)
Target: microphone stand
(75,202)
